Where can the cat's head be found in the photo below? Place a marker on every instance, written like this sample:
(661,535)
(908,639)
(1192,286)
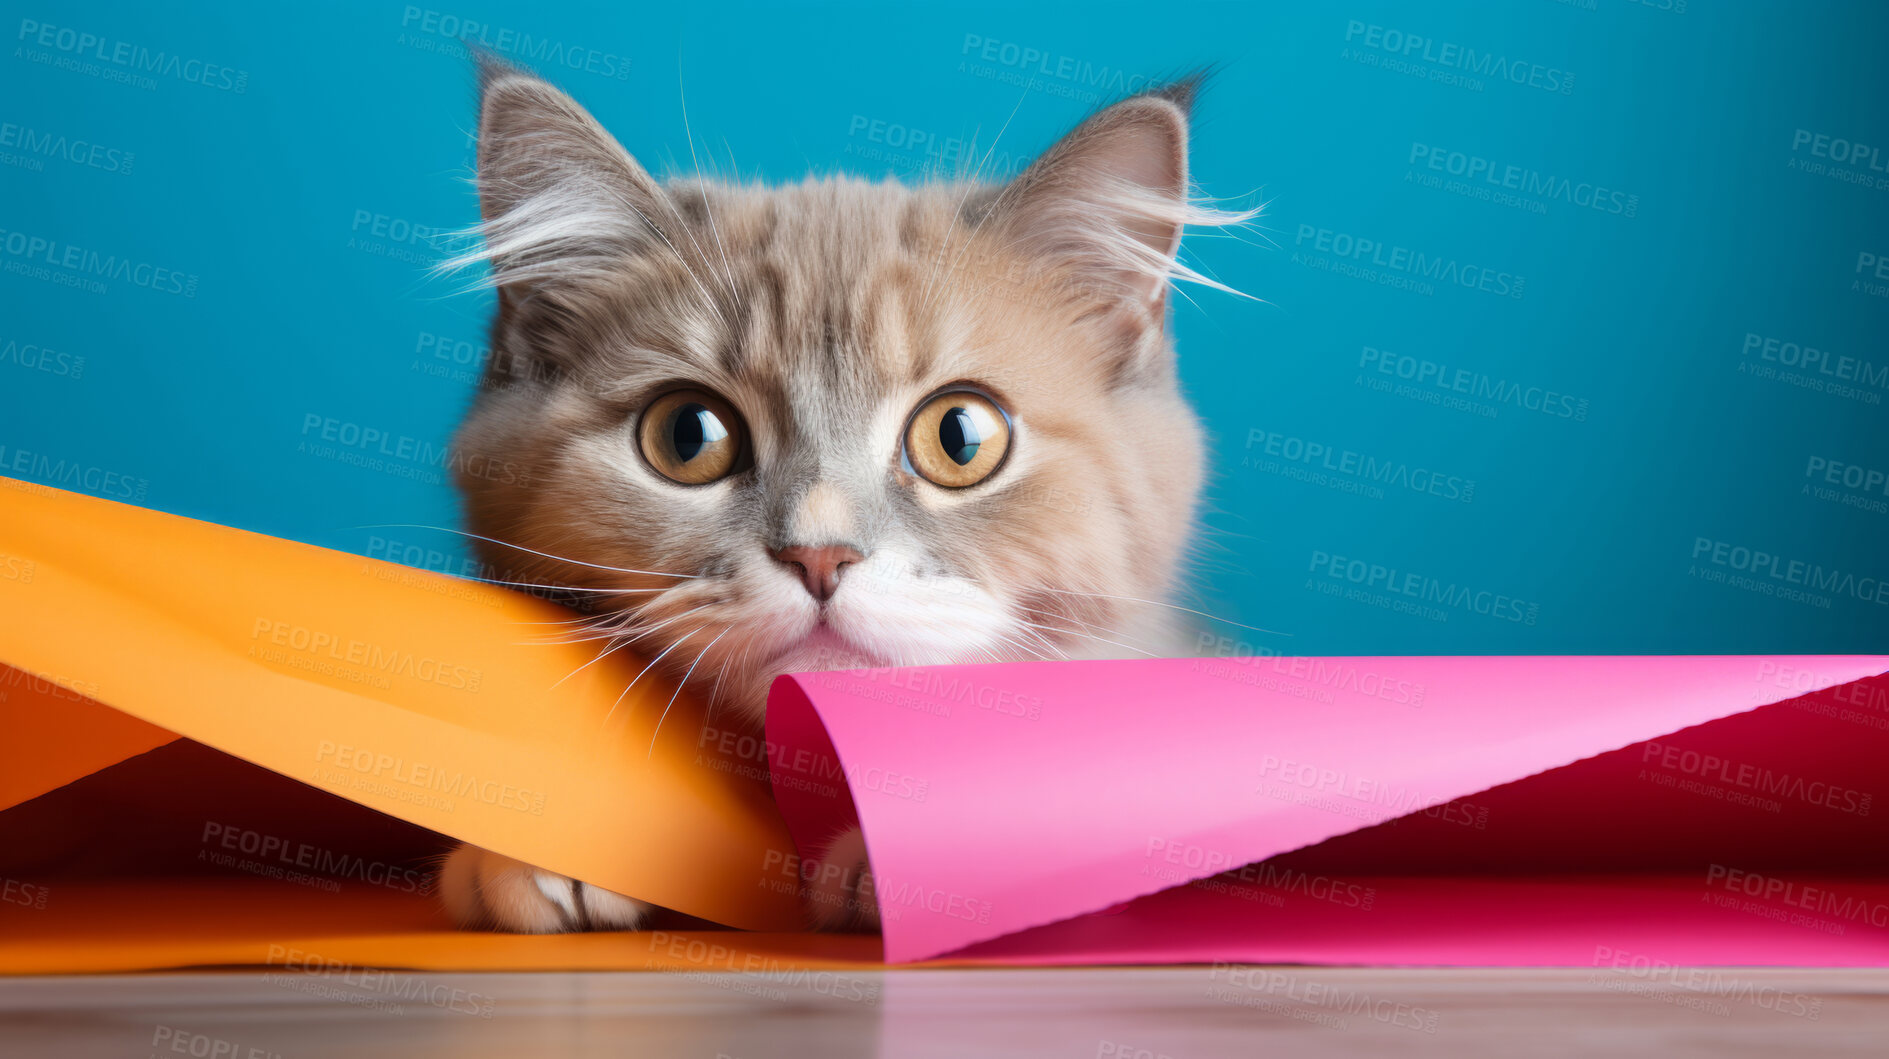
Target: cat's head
(836,423)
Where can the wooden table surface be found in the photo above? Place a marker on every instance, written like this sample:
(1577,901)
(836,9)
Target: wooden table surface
(1106,1013)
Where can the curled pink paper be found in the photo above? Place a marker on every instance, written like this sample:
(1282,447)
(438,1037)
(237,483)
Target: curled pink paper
(1561,810)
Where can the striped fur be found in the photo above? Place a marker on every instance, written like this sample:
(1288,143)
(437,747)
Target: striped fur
(825,312)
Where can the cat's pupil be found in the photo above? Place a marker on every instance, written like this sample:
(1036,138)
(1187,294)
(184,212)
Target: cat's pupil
(957,432)
(696,429)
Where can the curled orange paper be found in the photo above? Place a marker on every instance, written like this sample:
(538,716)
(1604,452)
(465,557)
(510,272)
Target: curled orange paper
(447,703)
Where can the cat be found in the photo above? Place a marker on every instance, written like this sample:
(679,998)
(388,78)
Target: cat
(836,423)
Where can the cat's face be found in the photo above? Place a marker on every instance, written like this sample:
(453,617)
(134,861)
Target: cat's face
(837,423)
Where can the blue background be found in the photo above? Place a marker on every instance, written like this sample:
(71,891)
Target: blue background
(285,195)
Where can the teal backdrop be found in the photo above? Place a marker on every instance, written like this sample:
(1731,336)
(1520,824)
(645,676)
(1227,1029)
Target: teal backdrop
(1569,328)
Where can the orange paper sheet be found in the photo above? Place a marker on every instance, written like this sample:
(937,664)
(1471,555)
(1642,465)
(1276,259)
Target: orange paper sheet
(441,702)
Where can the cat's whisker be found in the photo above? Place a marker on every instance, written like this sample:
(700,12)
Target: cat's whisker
(1058,615)
(739,664)
(534,551)
(715,688)
(1016,651)
(682,683)
(600,657)
(610,622)
(565,588)
(1027,650)
(584,623)
(1090,636)
(603,618)
(579,634)
(607,633)
(957,212)
(733,166)
(1038,637)
(701,255)
(689,135)
(666,622)
(995,652)
(639,675)
(699,252)
(684,262)
(1178,289)
(1170,606)
(1094,629)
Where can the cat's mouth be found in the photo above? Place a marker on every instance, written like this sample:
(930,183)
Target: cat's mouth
(822,647)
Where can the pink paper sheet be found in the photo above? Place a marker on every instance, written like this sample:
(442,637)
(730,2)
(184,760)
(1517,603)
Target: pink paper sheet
(1620,812)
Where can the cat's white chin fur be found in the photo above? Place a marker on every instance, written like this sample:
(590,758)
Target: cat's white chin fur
(840,894)
(485,890)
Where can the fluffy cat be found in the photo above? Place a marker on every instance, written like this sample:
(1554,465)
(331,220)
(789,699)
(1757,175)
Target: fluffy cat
(838,423)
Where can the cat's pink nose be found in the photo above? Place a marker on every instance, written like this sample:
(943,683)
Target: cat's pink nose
(819,568)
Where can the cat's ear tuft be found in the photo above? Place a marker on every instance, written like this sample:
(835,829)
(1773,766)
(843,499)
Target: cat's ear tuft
(559,197)
(1111,199)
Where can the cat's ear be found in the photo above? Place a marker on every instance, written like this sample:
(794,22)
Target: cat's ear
(1110,200)
(558,195)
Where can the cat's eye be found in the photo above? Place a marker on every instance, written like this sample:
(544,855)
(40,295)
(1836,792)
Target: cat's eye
(692,437)
(957,438)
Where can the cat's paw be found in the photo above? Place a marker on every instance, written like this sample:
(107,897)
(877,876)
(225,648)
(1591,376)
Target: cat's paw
(485,891)
(839,888)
